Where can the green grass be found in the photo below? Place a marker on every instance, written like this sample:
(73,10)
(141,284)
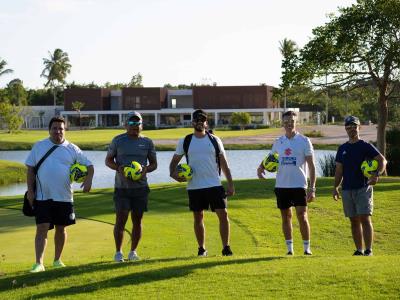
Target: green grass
(99,139)
(169,268)
(11,172)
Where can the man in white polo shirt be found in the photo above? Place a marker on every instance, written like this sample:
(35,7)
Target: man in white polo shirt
(206,155)
(295,153)
(50,189)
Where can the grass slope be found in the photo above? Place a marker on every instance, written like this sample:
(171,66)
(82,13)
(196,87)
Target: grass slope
(170,269)
(11,172)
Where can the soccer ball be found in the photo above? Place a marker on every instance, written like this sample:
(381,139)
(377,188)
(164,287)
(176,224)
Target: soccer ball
(368,167)
(185,171)
(77,172)
(134,171)
(271,162)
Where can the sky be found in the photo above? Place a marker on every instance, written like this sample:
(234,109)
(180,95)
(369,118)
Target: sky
(229,42)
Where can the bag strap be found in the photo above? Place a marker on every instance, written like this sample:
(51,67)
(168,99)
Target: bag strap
(36,168)
(217,150)
(186,143)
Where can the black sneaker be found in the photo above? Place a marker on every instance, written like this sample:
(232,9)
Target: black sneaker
(227,251)
(202,252)
(289,253)
(358,253)
(368,252)
(307,253)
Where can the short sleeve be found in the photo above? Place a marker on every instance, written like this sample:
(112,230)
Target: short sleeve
(179,148)
(371,151)
(31,160)
(81,157)
(339,156)
(152,150)
(112,148)
(221,146)
(309,149)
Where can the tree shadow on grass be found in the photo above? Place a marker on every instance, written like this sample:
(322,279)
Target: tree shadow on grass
(134,278)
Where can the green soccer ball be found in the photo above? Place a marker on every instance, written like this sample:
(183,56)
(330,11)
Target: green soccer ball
(77,173)
(134,171)
(185,171)
(271,162)
(369,167)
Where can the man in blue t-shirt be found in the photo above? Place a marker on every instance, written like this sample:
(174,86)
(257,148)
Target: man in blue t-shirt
(357,191)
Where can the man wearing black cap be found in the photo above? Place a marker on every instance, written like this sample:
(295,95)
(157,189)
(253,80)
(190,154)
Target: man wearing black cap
(357,191)
(130,196)
(206,155)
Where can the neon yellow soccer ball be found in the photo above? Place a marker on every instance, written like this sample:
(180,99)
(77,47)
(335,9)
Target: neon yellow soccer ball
(185,171)
(368,167)
(271,162)
(77,172)
(134,171)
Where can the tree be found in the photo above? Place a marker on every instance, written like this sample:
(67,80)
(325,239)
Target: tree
(11,116)
(77,106)
(3,69)
(288,49)
(136,81)
(361,43)
(56,69)
(16,93)
(241,118)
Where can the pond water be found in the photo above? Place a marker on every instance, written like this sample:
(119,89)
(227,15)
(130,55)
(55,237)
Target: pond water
(243,164)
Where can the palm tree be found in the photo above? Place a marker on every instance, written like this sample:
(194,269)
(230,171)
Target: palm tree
(288,49)
(4,71)
(56,69)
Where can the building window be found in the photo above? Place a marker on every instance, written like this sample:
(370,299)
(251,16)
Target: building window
(173,103)
(137,102)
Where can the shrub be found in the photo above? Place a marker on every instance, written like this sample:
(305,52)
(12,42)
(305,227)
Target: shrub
(314,133)
(393,151)
(327,165)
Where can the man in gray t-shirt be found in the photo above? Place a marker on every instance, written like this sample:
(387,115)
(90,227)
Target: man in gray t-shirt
(130,196)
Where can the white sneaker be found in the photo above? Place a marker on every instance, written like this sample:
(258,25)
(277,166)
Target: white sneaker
(133,256)
(119,257)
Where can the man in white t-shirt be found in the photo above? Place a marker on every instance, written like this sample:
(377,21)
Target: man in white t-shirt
(205,154)
(295,152)
(50,191)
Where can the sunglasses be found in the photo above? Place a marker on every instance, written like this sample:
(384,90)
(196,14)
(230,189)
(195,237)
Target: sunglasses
(200,119)
(348,127)
(134,123)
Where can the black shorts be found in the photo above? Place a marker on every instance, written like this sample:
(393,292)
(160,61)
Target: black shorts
(55,213)
(131,199)
(202,199)
(288,197)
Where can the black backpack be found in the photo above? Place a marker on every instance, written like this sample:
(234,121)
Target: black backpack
(188,139)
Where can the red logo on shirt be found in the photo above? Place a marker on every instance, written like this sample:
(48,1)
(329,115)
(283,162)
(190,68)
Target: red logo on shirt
(288,151)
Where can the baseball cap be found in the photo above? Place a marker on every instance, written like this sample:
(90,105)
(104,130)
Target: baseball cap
(199,113)
(351,120)
(134,114)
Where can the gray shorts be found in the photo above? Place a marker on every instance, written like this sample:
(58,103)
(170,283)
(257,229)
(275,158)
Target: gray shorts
(358,202)
(131,199)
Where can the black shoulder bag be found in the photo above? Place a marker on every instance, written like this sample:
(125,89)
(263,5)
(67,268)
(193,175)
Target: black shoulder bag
(27,209)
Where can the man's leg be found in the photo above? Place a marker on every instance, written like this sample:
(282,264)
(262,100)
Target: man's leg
(367,230)
(304,224)
(286,215)
(224,226)
(357,232)
(136,229)
(41,241)
(199,228)
(120,220)
(60,238)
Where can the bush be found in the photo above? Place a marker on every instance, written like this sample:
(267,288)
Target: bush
(314,133)
(327,165)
